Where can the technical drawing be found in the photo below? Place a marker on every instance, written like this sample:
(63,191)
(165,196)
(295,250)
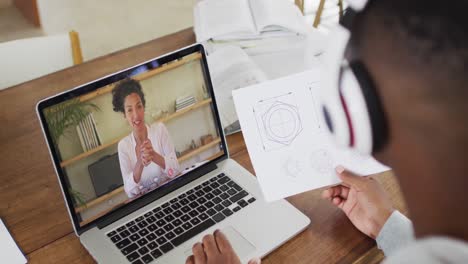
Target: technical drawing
(278,121)
(313,86)
(321,161)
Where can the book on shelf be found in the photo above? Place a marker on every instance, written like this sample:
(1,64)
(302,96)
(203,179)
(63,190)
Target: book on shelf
(87,133)
(247,19)
(184,102)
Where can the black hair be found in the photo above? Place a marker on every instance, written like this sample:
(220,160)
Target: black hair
(122,90)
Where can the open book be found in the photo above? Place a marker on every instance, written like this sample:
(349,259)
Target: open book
(246,19)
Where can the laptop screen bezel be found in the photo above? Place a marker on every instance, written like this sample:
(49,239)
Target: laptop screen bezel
(112,78)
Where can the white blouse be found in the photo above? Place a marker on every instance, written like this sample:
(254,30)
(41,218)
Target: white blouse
(152,175)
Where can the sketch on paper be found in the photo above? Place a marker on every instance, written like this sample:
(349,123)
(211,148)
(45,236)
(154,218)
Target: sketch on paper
(321,161)
(313,87)
(278,121)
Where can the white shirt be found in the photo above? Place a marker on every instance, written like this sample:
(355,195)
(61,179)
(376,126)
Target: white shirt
(396,239)
(152,175)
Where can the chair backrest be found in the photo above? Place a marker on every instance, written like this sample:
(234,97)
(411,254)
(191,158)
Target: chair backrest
(26,59)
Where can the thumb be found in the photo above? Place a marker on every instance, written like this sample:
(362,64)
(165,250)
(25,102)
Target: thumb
(348,177)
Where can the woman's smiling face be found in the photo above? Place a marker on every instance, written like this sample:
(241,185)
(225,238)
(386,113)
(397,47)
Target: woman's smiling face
(134,111)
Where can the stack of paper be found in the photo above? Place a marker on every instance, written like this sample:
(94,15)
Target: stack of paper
(88,133)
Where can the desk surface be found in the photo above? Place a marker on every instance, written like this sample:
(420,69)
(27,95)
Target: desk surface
(33,208)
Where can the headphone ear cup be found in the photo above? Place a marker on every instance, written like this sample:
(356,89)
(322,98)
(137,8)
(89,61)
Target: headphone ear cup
(371,116)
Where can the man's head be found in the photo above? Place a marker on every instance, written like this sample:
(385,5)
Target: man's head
(417,53)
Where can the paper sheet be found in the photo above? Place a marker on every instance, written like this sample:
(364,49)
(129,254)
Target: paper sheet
(9,251)
(287,141)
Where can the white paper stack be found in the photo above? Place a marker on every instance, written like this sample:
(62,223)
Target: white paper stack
(184,102)
(88,133)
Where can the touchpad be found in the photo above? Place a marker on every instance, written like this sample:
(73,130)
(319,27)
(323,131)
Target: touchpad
(241,246)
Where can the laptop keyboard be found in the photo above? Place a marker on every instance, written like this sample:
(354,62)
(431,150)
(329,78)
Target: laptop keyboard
(156,232)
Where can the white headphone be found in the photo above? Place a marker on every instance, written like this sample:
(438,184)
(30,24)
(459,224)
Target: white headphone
(350,104)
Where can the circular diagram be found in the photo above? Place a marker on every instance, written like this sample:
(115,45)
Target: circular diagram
(282,123)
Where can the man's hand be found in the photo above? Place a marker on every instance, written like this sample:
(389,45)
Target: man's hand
(363,200)
(215,249)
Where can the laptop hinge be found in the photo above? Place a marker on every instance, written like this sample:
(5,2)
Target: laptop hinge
(151,197)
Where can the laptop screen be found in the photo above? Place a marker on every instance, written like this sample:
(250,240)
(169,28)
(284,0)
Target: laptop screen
(120,138)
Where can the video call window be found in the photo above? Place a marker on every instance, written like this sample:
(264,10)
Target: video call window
(131,137)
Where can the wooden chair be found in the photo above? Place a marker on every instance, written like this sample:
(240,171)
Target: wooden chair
(318,14)
(26,59)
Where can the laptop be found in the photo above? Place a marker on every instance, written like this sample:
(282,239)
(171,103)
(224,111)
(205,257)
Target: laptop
(160,209)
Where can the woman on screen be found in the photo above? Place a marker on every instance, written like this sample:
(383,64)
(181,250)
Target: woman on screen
(147,156)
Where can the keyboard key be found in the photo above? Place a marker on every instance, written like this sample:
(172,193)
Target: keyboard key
(193,232)
(140,218)
(129,249)
(207,189)
(143,232)
(166,247)
(160,232)
(143,250)
(226,203)
(168,210)
(142,242)
(231,192)
(192,197)
(185,209)
(168,227)
(134,229)
(133,256)
(203,216)
(213,179)
(223,180)
(151,219)
(219,207)
(217,200)
(123,243)
(157,209)
(223,188)
(142,224)
(185,218)
(182,196)
(156,253)
(224,196)
(170,235)
(134,237)
(177,214)
(169,218)
(115,238)
(199,193)
(190,192)
(193,204)
(198,187)
(209,196)
(147,258)
(111,234)
(217,192)
(148,214)
(237,208)
(161,240)
(227,212)
(195,221)
(137,262)
(221,175)
(152,227)
(175,206)
(179,230)
(209,204)
(129,224)
(201,209)
(193,213)
(237,187)
(242,203)
(151,237)
(206,183)
(165,205)
(184,201)
(152,245)
(211,212)
(159,215)
(214,185)
(124,234)
(231,183)
(177,222)
(120,229)
(201,200)
(161,222)
(187,226)
(251,200)
(218,217)
(174,200)
(238,196)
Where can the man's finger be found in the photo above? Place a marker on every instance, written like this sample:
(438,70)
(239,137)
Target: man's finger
(349,178)
(190,260)
(222,242)
(198,253)
(209,244)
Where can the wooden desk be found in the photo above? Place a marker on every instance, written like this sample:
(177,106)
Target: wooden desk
(33,208)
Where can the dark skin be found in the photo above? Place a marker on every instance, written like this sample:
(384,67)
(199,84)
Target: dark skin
(427,146)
